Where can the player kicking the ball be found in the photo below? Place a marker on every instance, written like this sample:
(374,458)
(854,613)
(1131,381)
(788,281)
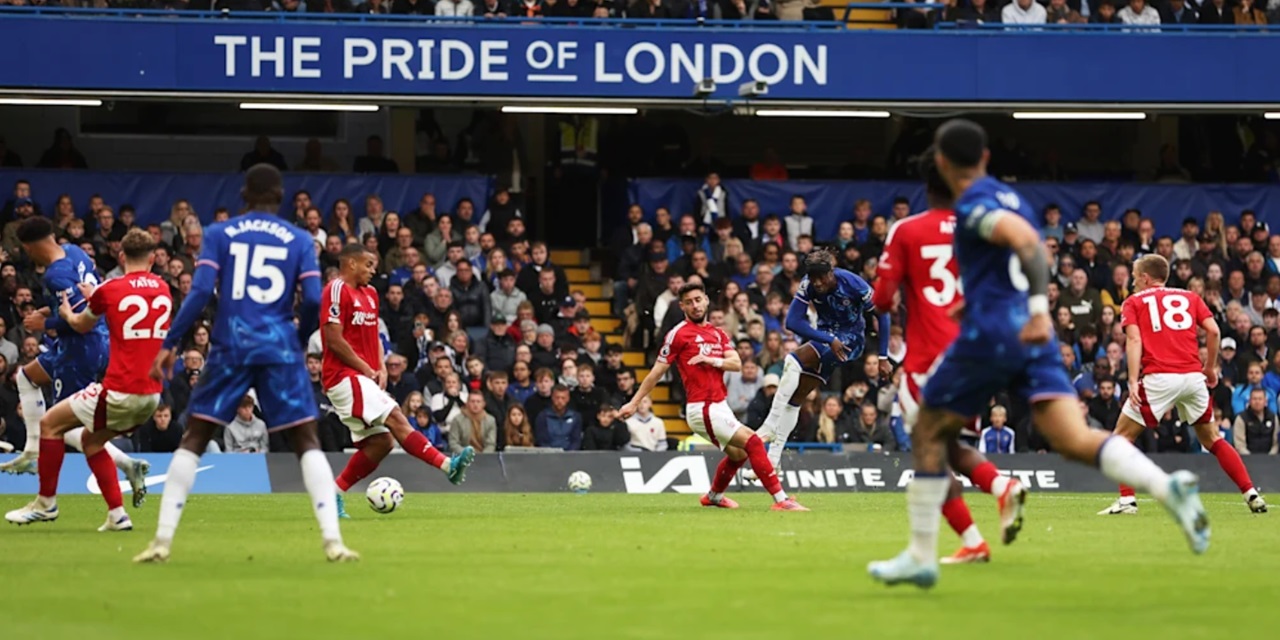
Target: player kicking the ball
(918,257)
(702,353)
(256,262)
(137,307)
(1160,327)
(356,388)
(840,298)
(1006,341)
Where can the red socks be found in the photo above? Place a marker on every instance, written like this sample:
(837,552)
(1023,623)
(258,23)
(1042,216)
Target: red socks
(1228,459)
(1126,491)
(760,464)
(957,514)
(104,471)
(358,468)
(52,450)
(983,475)
(724,473)
(419,447)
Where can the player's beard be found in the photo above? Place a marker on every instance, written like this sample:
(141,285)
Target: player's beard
(696,319)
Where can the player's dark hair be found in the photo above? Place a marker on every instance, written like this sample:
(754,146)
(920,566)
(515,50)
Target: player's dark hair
(34,229)
(137,244)
(263,188)
(819,261)
(690,287)
(935,188)
(353,251)
(962,142)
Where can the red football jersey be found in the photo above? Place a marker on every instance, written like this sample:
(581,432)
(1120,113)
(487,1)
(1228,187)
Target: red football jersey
(1168,319)
(138,307)
(702,382)
(918,257)
(356,310)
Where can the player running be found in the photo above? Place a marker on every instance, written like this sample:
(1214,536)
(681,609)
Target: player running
(255,262)
(137,307)
(352,350)
(918,258)
(1160,327)
(76,359)
(840,298)
(1006,341)
(702,353)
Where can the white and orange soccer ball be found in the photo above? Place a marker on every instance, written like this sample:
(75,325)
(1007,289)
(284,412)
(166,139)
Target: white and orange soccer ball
(384,495)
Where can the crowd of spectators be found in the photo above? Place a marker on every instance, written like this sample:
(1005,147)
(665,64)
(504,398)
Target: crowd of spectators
(748,261)
(1143,13)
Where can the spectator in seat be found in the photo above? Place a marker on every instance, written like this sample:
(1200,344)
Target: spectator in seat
(517,430)
(506,298)
(1253,380)
(1023,12)
(263,153)
(247,433)
(1216,12)
(748,227)
(544,348)
(646,431)
(607,433)
(759,407)
(544,382)
(62,154)
(833,422)
(997,438)
(1246,12)
(650,10)
(457,8)
(1140,13)
(975,10)
(472,427)
(798,222)
(713,200)
(470,297)
(1059,13)
(540,260)
(160,434)
(546,298)
(1177,12)
(400,381)
(586,397)
(1117,290)
(313,158)
(1106,14)
(558,426)
(1255,429)
(497,349)
(742,387)
(373,160)
(1105,406)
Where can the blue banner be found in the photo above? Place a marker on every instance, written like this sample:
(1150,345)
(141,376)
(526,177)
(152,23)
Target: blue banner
(831,202)
(217,473)
(592,61)
(152,194)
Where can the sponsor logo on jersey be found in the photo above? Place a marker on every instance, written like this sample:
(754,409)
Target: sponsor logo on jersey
(364,318)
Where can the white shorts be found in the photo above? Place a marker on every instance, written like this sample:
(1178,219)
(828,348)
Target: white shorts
(97,408)
(909,399)
(714,421)
(362,406)
(1159,392)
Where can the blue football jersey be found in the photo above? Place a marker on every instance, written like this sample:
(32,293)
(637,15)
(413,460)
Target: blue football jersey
(62,276)
(995,289)
(254,262)
(840,312)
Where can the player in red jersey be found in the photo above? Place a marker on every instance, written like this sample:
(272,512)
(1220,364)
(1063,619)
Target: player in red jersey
(702,353)
(918,259)
(137,306)
(1160,328)
(354,375)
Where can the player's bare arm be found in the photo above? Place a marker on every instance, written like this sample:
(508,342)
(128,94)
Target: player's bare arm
(82,322)
(730,362)
(650,381)
(1010,230)
(1133,356)
(341,349)
(1213,335)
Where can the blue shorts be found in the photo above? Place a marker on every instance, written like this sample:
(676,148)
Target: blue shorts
(284,392)
(75,363)
(964,384)
(827,361)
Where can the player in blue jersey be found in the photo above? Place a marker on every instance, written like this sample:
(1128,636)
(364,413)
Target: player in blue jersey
(75,361)
(841,300)
(1007,341)
(255,263)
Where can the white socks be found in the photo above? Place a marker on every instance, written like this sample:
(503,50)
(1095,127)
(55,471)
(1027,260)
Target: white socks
(925,496)
(182,475)
(971,537)
(1121,461)
(782,416)
(999,484)
(31,398)
(318,476)
(75,439)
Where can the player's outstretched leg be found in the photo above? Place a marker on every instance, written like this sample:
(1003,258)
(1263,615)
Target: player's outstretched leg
(754,450)
(729,465)
(181,476)
(1231,463)
(417,445)
(1010,493)
(370,453)
(135,470)
(29,379)
(1060,421)
(928,490)
(793,388)
(317,475)
(45,507)
(1127,503)
(973,547)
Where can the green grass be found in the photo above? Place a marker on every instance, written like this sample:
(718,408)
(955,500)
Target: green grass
(509,567)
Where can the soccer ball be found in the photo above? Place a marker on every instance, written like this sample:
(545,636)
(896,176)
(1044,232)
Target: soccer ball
(579,482)
(384,494)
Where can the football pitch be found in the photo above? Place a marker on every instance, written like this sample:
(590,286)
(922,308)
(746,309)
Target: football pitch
(603,566)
